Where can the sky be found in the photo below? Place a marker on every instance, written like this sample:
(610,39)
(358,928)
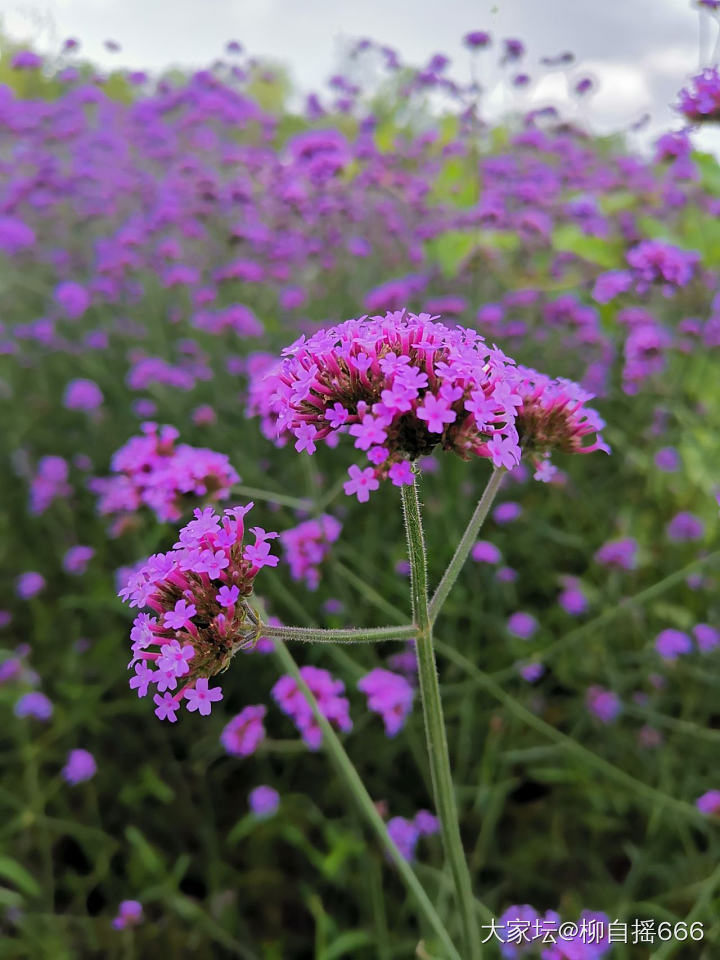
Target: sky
(640,51)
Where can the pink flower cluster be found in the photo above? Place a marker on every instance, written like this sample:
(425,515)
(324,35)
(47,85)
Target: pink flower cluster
(552,415)
(201,620)
(329,694)
(402,385)
(307,545)
(245,732)
(406,833)
(390,695)
(153,471)
(49,483)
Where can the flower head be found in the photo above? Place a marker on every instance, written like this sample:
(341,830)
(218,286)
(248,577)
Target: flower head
(130,914)
(403,385)
(329,694)
(245,732)
(80,766)
(389,695)
(264,801)
(194,630)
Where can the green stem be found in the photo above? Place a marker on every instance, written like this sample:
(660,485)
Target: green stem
(350,635)
(357,788)
(673,804)
(435,724)
(466,544)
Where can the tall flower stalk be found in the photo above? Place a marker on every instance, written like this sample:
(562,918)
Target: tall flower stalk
(436,738)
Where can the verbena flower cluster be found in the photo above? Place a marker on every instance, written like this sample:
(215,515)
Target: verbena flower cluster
(200,615)
(329,693)
(700,101)
(153,471)
(402,385)
(307,545)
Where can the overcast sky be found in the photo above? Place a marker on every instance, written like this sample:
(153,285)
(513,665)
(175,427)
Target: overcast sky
(641,51)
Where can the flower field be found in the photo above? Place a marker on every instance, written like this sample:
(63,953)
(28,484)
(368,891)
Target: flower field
(360,541)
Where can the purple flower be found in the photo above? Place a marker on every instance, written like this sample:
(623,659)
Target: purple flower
(82,395)
(29,584)
(709,803)
(506,512)
(34,704)
(245,732)
(620,554)
(406,384)
(427,823)
(208,566)
(201,698)
(329,694)
(77,558)
(671,644)
(706,637)
(477,39)
(404,834)
(667,459)
(80,766)
(522,625)
(389,695)
(518,924)
(603,704)
(685,526)
(572,599)
(531,671)
(307,546)
(15,235)
(264,801)
(73,299)
(130,914)
(485,552)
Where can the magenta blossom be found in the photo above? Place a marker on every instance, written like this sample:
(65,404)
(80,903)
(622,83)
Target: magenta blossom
(245,732)
(389,695)
(403,385)
(671,644)
(192,635)
(603,704)
(130,914)
(329,694)
(80,766)
(264,801)
(709,803)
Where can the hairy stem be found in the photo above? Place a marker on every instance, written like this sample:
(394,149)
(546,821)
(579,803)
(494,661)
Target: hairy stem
(466,543)
(349,774)
(435,724)
(350,635)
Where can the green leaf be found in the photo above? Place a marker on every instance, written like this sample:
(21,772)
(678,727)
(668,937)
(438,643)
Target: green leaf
(17,874)
(605,253)
(346,944)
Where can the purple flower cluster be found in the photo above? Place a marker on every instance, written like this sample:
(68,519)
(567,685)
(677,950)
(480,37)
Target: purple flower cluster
(620,554)
(700,100)
(80,766)
(329,694)
(242,735)
(264,801)
(406,833)
(307,545)
(151,470)
(402,385)
(49,483)
(522,930)
(389,695)
(603,704)
(197,592)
